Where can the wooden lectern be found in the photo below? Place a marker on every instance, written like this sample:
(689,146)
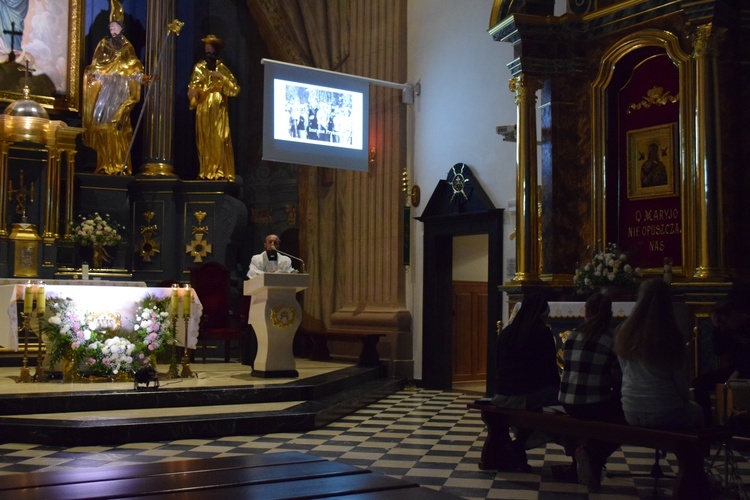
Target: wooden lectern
(275,315)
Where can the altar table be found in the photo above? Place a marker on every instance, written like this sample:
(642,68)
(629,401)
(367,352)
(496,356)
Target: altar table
(99,296)
(576,309)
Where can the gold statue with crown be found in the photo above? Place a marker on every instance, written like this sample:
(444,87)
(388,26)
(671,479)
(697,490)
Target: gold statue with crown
(111,87)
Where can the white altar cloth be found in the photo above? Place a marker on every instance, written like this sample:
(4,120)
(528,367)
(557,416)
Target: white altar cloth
(576,309)
(100,295)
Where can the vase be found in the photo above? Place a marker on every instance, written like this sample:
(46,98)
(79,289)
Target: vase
(69,372)
(98,256)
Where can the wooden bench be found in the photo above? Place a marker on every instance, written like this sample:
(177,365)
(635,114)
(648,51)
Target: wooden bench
(689,447)
(319,344)
(273,475)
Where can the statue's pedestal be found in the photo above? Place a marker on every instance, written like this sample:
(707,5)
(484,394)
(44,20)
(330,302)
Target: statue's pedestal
(275,316)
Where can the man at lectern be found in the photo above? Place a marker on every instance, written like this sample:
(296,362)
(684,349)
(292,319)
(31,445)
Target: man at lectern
(270,261)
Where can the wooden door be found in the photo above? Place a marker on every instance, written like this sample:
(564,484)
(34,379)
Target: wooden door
(470,306)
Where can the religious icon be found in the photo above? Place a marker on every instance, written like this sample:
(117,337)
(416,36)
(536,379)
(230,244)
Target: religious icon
(42,34)
(652,162)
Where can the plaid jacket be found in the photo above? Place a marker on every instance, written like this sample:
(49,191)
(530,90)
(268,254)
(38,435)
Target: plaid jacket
(591,372)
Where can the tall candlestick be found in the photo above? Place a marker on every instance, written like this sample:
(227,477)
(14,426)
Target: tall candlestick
(173,302)
(41,298)
(187,301)
(28,299)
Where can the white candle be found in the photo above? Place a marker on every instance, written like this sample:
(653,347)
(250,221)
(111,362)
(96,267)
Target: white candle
(187,301)
(28,299)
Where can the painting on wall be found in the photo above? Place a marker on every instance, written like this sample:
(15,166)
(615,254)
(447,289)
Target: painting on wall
(45,37)
(652,161)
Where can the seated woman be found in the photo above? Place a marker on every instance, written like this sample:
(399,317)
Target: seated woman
(527,375)
(651,350)
(590,385)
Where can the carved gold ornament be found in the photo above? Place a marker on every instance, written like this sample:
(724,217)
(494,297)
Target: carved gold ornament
(283,316)
(24,195)
(654,97)
(198,248)
(148,246)
(200,228)
(175,27)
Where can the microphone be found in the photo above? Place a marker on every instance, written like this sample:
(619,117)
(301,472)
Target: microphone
(302,262)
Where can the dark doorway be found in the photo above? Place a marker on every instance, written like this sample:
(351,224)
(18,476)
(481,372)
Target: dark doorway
(441,224)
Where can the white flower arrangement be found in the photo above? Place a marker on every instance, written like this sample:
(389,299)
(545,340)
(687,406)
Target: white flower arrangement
(114,354)
(606,268)
(153,325)
(97,346)
(96,230)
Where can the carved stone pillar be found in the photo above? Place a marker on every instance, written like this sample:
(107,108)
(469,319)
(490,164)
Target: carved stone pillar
(370,285)
(708,216)
(527,216)
(158,117)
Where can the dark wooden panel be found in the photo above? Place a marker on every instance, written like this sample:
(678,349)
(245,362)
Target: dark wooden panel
(275,475)
(308,488)
(189,481)
(470,318)
(402,494)
(106,473)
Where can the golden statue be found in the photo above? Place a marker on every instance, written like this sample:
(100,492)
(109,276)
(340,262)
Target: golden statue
(211,85)
(112,86)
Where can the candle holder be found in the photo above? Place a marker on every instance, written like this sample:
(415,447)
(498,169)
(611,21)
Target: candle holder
(25,375)
(40,373)
(186,371)
(172,373)
(187,306)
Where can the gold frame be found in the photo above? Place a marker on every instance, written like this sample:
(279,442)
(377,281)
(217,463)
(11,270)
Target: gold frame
(639,144)
(70,100)
(687,185)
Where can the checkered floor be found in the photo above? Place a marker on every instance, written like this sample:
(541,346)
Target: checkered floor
(428,437)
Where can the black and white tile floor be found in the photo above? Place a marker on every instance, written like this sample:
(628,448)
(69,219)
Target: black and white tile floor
(428,437)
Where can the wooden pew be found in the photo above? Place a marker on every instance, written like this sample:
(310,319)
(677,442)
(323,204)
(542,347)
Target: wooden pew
(689,447)
(273,475)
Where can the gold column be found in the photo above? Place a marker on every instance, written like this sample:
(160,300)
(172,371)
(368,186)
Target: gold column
(709,222)
(158,127)
(69,184)
(527,215)
(52,195)
(4,147)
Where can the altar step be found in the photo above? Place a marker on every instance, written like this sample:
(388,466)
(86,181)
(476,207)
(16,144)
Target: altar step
(104,416)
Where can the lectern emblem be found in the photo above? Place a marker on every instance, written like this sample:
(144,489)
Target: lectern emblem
(283,316)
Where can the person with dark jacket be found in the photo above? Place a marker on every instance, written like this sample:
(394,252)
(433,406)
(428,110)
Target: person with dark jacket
(527,376)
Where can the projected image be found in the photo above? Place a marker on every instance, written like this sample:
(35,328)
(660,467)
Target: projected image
(313,114)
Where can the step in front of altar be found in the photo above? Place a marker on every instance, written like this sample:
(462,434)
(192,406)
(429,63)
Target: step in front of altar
(100,414)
